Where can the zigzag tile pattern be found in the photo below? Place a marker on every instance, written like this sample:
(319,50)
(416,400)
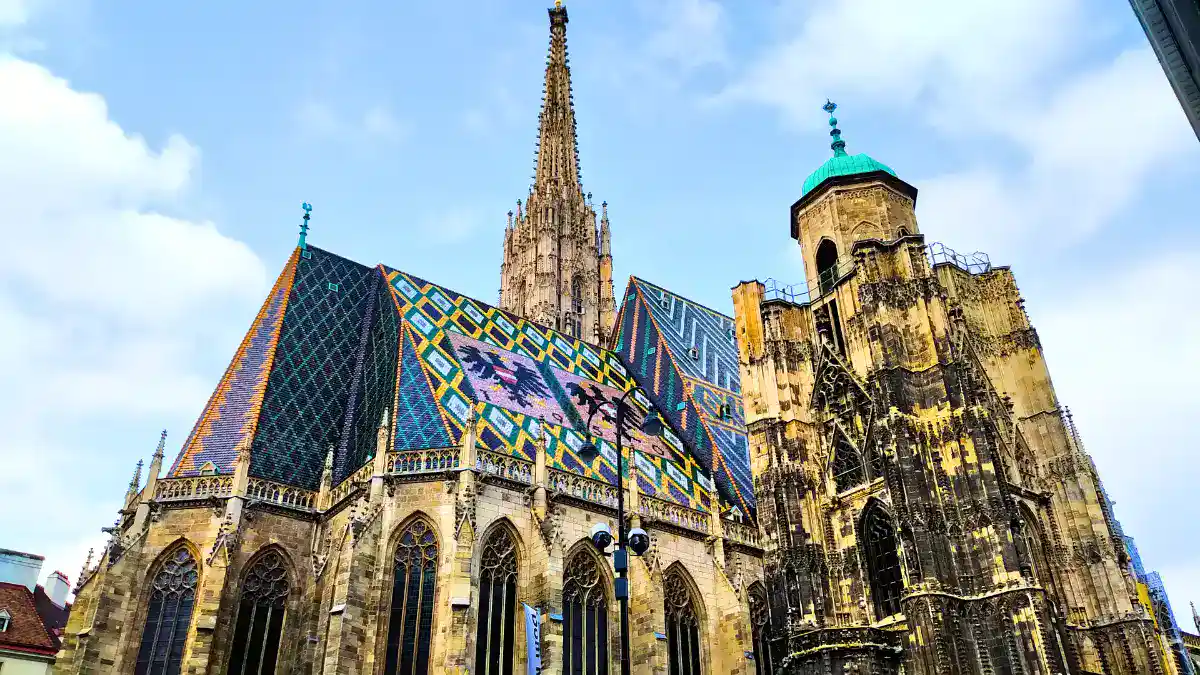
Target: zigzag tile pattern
(685,356)
(232,411)
(434,314)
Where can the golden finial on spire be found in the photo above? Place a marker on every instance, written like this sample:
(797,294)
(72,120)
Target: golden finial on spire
(557,4)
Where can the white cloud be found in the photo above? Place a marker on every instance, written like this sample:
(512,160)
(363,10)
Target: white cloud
(376,123)
(693,35)
(107,302)
(1084,140)
(1122,352)
(15,12)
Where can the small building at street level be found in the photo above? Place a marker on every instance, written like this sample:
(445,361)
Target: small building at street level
(866,473)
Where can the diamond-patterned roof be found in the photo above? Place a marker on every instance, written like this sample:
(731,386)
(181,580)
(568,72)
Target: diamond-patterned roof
(685,355)
(337,343)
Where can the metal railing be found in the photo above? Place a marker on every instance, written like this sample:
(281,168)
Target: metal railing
(972,263)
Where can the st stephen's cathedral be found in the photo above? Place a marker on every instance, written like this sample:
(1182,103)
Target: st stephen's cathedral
(869,473)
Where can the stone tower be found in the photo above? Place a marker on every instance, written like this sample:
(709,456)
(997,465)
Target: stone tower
(557,266)
(924,497)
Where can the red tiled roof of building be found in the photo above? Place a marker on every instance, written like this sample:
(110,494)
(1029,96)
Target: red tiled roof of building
(25,632)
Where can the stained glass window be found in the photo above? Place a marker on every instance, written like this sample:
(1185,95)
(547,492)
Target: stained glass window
(585,618)
(260,617)
(497,605)
(172,595)
(760,626)
(847,466)
(883,562)
(683,626)
(410,624)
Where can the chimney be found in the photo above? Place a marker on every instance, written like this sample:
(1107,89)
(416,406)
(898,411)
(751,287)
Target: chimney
(57,588)
(20,568)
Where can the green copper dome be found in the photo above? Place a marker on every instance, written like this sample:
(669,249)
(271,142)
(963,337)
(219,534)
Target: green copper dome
(841,164)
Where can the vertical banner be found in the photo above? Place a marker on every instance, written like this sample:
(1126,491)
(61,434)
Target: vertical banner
(533,639)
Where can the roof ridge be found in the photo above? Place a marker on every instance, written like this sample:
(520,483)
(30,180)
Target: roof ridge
(680,297)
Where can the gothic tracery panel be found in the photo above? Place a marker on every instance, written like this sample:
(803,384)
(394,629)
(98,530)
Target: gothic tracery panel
(585,617)
(410,623)
(259,624)
(172,597)
(683,624)
(494,637)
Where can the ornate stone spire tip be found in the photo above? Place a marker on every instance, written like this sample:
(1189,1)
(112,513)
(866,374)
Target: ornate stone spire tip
(162,444)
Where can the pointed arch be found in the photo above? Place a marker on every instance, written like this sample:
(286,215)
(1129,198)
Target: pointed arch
(881,547)
(586,628)
(1029,532)
(267,583)
(495,636)
(846,464)
(827,264)
(760,628)
(415,555)
(171,590)
(683,611)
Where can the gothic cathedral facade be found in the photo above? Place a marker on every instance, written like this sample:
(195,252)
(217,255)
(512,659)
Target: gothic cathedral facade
(871,475)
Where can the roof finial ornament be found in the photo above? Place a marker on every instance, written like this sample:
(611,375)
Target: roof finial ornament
(304,226)
(557,4)
(838,145)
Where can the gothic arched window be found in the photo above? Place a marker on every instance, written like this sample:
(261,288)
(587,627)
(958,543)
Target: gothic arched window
(577,294)
(410,621)
(683,626)
(827,265)
(172,596)
(883,562)
(585,618)
(847,466)
(875,461)
(260,617)
(497,605)
(760,627)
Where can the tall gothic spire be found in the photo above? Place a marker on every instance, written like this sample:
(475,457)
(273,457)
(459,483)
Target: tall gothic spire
(557,265)
(558,155)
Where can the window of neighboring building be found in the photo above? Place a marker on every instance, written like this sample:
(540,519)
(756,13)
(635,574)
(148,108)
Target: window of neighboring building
(260,614)
(683,625)
(497,605)
(760,626)
(410,624)
(883,561)
(5,619)
(585,617)
(169,615)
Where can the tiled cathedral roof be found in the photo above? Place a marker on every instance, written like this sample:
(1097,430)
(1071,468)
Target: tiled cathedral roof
(338,343)
(685,355)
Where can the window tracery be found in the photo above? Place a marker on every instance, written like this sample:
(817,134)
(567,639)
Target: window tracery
(410,621)
(760,626)
(883,562)
(260,616)
(497,605)
(172,596)
(585,618)
(683,626)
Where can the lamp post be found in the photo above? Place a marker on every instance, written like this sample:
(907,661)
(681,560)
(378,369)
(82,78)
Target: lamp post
(653,426)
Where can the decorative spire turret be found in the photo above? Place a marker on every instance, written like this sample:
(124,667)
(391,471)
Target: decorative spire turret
(838,145)
(557,154)
(553,271)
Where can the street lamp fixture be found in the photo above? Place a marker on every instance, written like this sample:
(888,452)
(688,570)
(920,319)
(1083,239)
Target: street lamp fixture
(636,540)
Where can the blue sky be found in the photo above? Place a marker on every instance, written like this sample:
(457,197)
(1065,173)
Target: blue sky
(153,158)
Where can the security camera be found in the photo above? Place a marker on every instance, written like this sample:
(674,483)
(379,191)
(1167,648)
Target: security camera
(601,536)
(639,541)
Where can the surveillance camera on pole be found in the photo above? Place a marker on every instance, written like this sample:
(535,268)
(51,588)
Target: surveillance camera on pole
(639,541)
(601,536)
